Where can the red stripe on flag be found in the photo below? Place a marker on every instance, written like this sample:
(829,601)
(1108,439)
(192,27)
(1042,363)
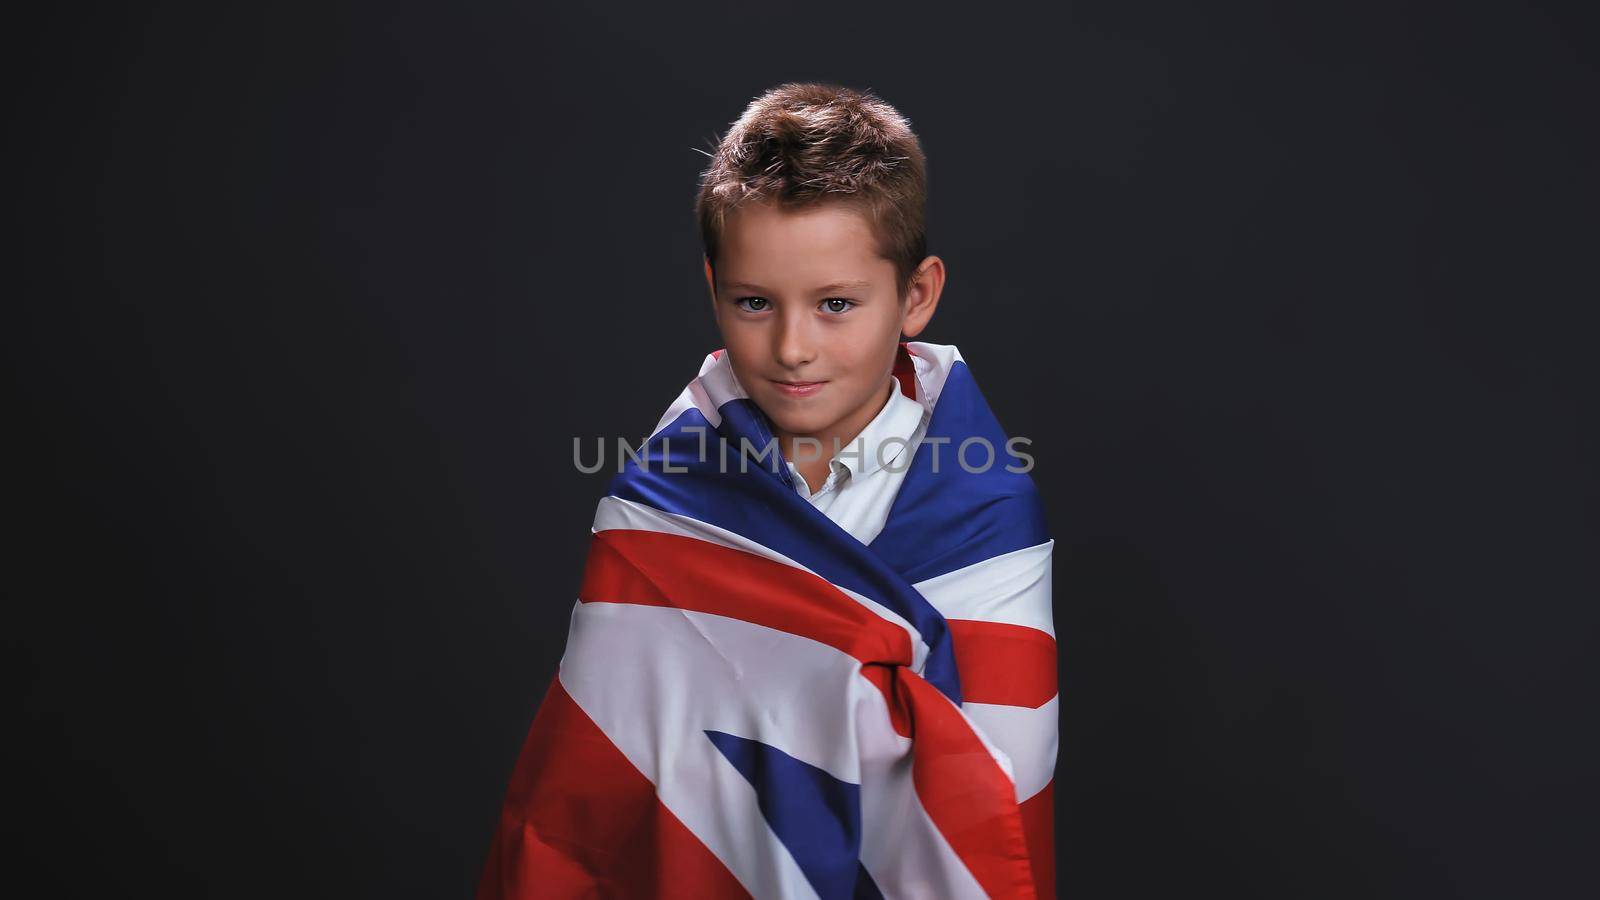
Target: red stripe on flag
(905,371)
(1039,824)
(1003,663)
(650,568)
(580,820)
(882,678)
(965,792)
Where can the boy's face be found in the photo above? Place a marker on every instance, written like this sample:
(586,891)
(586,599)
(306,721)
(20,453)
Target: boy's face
(802,297)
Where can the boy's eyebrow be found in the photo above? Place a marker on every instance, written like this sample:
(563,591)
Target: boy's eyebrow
(834,286)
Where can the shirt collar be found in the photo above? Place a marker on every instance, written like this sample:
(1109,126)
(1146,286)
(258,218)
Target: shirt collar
(895,423)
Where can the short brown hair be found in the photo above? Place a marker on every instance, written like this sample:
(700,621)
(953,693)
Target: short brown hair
(805,142)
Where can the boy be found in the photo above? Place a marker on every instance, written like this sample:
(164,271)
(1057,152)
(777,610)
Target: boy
(829,677)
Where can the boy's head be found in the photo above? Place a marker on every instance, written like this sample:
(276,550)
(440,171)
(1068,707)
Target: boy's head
(812,215)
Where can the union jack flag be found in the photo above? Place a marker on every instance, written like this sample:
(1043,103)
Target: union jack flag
(752,702)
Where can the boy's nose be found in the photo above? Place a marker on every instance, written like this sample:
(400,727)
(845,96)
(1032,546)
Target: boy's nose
(793,344)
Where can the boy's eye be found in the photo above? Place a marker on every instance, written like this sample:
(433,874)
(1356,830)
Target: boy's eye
(829,304)
(752,301)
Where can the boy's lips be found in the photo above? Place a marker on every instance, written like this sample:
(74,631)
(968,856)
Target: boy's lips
(797,388)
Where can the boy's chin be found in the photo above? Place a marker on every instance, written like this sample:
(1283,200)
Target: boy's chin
(789,423)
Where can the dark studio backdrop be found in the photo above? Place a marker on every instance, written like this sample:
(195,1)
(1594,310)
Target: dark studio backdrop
(1293,300)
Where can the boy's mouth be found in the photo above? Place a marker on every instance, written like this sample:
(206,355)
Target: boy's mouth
(798,388)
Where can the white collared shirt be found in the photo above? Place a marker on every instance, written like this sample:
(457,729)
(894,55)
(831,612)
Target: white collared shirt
(861,485)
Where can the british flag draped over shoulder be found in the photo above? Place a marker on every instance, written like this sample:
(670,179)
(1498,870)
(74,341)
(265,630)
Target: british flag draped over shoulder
(752,702)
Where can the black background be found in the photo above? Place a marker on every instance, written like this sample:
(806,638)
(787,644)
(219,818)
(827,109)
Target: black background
(1294,303)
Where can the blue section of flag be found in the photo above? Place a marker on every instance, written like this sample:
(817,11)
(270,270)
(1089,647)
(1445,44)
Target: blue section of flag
(948,519)
(815,815)
(741,416)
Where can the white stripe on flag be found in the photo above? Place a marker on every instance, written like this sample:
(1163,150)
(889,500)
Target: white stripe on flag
(1028,736)
(1012,588)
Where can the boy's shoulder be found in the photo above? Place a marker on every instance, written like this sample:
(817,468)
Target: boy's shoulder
(967,495)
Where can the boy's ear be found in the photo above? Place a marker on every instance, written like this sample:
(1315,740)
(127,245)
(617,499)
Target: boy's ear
(922,297)
(711,281)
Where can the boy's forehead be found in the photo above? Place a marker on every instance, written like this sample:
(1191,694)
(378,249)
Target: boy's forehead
(831,241)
